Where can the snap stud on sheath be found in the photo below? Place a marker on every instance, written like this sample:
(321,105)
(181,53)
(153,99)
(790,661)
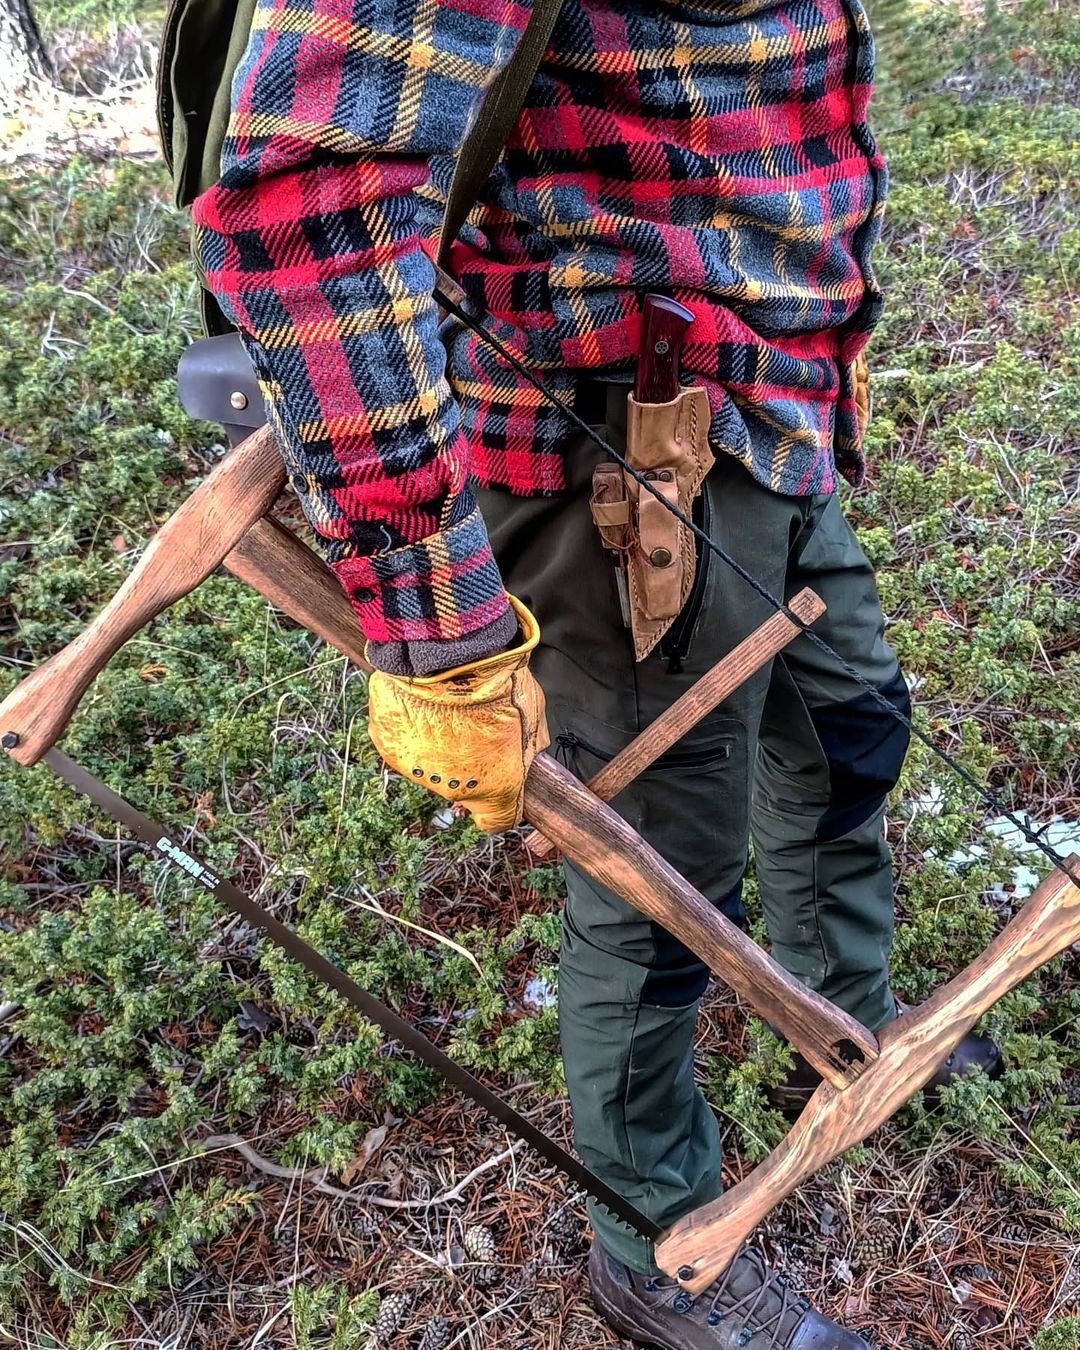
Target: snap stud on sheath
(661,557)
(238,400)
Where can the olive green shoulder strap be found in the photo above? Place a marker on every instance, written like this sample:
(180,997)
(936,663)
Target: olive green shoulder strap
(494,122)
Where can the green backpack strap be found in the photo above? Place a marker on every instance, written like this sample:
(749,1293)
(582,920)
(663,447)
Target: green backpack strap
(494,122)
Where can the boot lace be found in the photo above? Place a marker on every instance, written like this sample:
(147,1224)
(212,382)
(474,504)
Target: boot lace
(771,1308)
(753,1307)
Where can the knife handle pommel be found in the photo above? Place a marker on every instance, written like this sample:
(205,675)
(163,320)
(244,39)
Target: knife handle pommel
(664,324)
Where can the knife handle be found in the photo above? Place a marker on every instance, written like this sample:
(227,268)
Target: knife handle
(664,324)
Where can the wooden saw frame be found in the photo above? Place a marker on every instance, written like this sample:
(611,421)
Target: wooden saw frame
(866,1078)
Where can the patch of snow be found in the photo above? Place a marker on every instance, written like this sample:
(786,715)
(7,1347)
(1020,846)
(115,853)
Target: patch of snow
(539,994)
(1062,835)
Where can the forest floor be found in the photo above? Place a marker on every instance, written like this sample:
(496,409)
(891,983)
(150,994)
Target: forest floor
(198,1146)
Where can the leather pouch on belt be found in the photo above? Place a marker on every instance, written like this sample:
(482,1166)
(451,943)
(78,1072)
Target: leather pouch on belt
(668,443)
(610,507)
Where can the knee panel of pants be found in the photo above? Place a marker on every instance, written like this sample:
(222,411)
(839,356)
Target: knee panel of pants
(864,747)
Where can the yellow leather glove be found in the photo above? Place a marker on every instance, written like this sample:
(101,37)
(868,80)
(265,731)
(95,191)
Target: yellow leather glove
(468,734)
(863,402)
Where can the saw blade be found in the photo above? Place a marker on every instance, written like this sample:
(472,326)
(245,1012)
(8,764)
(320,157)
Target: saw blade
(168,847)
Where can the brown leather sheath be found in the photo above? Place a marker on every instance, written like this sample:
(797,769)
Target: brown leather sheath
(668,443)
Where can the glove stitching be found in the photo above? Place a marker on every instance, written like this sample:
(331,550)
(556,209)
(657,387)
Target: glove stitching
(523,721)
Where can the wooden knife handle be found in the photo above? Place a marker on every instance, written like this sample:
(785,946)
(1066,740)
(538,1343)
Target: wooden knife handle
(709,692)
(699,1247)
(187,548)
(664,325)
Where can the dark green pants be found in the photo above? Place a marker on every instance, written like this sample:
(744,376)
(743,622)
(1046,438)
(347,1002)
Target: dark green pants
(798,759)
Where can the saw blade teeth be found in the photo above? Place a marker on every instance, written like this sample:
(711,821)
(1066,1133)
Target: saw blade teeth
(630,1229)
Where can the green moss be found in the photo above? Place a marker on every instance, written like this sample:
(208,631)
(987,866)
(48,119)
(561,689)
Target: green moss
(1063,1335)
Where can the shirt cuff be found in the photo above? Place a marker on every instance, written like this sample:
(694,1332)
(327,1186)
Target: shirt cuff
(429,658)
(440,589)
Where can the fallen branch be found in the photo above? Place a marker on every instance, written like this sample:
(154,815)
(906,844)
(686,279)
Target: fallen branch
(315,1177)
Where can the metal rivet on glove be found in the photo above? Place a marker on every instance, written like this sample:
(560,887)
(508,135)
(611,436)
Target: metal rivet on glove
(454,782)
(418,773)
(472,783)
(436,778)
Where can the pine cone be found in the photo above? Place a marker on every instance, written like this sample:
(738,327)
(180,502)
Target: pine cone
(392,1310)
(564,1226)
(877,1245)
(484,1276)
(799,1273)
(436,1335)
(546,1305)
(525,1277)
(479,1243)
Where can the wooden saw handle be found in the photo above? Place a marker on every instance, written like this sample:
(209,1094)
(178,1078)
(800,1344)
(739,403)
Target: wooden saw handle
(187,548)
(698,1247)
(273,560)
(292,576)
(717,684)
(591,833)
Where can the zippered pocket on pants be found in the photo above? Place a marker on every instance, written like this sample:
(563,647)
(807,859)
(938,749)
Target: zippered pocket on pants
(716,751)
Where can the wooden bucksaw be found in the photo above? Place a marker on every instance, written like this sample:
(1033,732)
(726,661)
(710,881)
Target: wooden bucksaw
(866,1078)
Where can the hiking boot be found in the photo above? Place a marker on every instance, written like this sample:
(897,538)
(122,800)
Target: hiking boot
(749,1307)
(973,1052)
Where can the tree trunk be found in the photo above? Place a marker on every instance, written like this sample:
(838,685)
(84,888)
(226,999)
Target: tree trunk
(23,57)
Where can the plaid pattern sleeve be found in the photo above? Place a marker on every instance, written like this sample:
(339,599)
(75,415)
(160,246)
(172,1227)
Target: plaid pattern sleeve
(311,243)
(719,153)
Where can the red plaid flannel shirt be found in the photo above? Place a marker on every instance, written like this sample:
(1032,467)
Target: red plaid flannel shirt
(717,152)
